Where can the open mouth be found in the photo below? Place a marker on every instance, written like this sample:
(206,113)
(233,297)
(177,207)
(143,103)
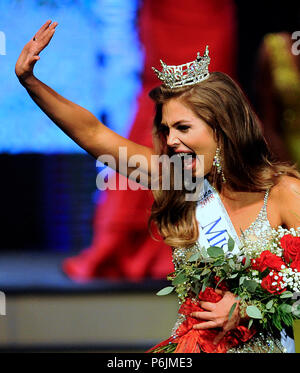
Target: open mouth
(188,159)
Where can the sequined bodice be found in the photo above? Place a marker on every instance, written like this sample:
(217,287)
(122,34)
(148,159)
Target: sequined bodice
(257,235)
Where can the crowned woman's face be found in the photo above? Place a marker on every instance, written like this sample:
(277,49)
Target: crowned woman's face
(186,133)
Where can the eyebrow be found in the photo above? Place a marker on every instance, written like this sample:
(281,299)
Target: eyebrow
(176,123)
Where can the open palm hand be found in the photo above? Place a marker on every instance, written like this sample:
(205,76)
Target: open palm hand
(30,53)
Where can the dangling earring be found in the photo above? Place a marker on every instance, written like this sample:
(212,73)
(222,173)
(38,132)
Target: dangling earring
(217,163)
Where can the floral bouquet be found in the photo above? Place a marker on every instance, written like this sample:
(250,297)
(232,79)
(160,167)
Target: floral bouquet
(266,285)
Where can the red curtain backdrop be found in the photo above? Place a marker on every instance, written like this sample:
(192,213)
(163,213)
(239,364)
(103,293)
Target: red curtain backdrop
(173,31)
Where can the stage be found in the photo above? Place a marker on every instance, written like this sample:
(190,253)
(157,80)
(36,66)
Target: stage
(46,311)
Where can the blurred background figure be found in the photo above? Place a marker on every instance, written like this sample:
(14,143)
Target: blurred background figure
(278,92)
(276,80)
(173,31)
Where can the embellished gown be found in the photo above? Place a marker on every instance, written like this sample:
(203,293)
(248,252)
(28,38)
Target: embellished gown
(258,234)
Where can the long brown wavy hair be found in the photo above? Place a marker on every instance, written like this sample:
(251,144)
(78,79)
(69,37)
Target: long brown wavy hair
(246,159)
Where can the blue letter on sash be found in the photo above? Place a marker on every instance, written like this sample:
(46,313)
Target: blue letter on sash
(217,233)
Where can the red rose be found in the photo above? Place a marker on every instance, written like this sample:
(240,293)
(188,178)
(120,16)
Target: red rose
(296,262)
(255,263)
(291,246)
(271,285)
(269,260)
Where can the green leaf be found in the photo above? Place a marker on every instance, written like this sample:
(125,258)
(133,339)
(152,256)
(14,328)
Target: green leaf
(205,283)
(269,304)
(232,310)
(221,279)
(287,319)
(250,285)
(250,323)
(219,262)
(197,288)
(203,252)
(231,263)
(231,244)
(205,271)
(234,275)
(286,294)
(242,279)
(165,291)
(197,277)
(254,312)
(195,257)
(179,279)
(287,308)
(215,252)
(277,322)
(247,262)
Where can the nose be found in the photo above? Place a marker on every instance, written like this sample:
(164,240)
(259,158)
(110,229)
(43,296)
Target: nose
(172,139)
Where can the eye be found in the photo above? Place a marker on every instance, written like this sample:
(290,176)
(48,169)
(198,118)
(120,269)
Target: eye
(183,128)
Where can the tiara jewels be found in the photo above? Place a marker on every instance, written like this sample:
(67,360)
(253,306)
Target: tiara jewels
(187,74)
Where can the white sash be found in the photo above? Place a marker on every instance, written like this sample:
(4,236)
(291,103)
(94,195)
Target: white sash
(215,226)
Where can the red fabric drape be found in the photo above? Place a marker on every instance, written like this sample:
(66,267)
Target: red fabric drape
(191,340)
(173,31)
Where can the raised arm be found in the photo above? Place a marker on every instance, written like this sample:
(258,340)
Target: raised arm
(78,123)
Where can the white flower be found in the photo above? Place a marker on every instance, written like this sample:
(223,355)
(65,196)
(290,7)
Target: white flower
(276,277)
(282,266)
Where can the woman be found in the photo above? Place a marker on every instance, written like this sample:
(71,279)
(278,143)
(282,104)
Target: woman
(206,117)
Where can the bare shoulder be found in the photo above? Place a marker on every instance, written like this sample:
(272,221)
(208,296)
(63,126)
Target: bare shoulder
(286,187)
(286,194)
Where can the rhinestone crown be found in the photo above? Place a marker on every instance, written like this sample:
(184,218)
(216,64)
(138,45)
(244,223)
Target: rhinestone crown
(186,74)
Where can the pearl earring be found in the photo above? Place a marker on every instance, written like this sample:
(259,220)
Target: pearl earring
(217,163)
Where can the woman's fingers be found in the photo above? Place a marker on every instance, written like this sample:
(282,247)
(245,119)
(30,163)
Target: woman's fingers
(50,30)
(45,33)
(219,291)
(202,315)
(42,29)
(209,306)
(47,37)
(205,325)
(42,39)
(52,26)
(30,53)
